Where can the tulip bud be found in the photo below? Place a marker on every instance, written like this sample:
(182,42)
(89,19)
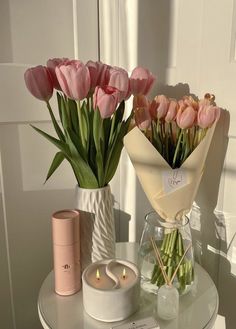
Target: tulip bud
(141,112)
(39,83)
(159,107)
(74,79)
(103,74)
(140,101)
(207,115)
(141,81)
(186,118)
(96,70)
(189,101)
(106,99)
(51,65)
(119,79)
(172,111)
(142,118)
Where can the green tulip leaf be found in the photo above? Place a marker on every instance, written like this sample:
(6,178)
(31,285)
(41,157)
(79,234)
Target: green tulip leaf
(59,144)
(57,160)
(64,113)
(98,136)
(59,96)
(73,115)
(119,113)
(77,144)
(83,171)
(114,162)
(55,124)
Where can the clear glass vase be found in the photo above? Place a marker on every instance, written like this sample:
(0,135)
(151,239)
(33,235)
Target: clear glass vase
(172,239)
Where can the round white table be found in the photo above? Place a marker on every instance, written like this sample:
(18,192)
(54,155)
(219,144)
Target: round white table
(198,308)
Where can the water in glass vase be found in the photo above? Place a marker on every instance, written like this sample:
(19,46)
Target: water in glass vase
(147,262)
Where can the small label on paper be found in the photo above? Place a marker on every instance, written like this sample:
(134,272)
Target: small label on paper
(173,179)
(147,323)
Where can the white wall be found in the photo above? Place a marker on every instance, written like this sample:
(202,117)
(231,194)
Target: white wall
(32,31)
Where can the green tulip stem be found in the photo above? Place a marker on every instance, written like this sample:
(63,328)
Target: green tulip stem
(81,124)
(173,255)
(177,148)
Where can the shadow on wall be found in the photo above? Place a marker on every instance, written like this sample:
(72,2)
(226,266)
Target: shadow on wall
(121,225)
(209,225)
(158,13)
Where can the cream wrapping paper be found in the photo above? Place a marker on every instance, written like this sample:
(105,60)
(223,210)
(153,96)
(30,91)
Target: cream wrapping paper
(171,192)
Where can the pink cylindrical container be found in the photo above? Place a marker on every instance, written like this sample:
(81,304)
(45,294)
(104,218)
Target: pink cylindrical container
(66,251)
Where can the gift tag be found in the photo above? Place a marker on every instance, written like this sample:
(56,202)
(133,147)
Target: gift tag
(147,323)
(173,179)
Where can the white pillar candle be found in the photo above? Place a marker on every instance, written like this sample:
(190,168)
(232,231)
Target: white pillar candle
(111,289)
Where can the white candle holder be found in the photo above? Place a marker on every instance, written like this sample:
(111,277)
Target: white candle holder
(109,293)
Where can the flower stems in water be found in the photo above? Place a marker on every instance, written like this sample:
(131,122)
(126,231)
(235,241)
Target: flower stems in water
(171,252)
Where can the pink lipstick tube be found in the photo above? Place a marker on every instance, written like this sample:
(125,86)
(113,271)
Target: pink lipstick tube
(66,252)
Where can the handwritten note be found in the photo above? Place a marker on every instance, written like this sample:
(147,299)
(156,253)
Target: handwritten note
(173,179)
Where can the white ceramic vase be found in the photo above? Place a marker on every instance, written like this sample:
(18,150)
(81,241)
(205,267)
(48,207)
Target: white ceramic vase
(97,227)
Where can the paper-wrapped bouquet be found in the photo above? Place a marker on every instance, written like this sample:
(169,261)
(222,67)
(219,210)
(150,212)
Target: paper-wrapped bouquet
(168,147)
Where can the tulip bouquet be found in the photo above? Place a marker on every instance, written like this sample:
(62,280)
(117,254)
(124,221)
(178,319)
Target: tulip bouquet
(173,138)
(91,104)
(175,128)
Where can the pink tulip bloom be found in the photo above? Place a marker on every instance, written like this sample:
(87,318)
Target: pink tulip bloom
(106,99)
(186,118)
(153,109)
(162,108)
(159,107)
(93,71)
(189,101)
(119,79)
(98,72)
(74,79)
(204,102)
(103,74)
(39,83)
(140,101)
(207,115)
(142,118)
(172,111)
(51,65)
(141,81)
(141,112)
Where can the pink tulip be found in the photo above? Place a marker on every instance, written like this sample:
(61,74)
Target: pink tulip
(39,83)
(159,107)
(189,101)
(140,101)
(172,111)
(186,118)
(51,65)
(119,79)
(106,99)
(142,118)
(141,81)
(141,112)
(207,115)
(74,79)
(103,74)
(96,70)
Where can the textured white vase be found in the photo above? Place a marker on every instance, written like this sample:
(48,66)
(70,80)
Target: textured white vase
(97,228)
